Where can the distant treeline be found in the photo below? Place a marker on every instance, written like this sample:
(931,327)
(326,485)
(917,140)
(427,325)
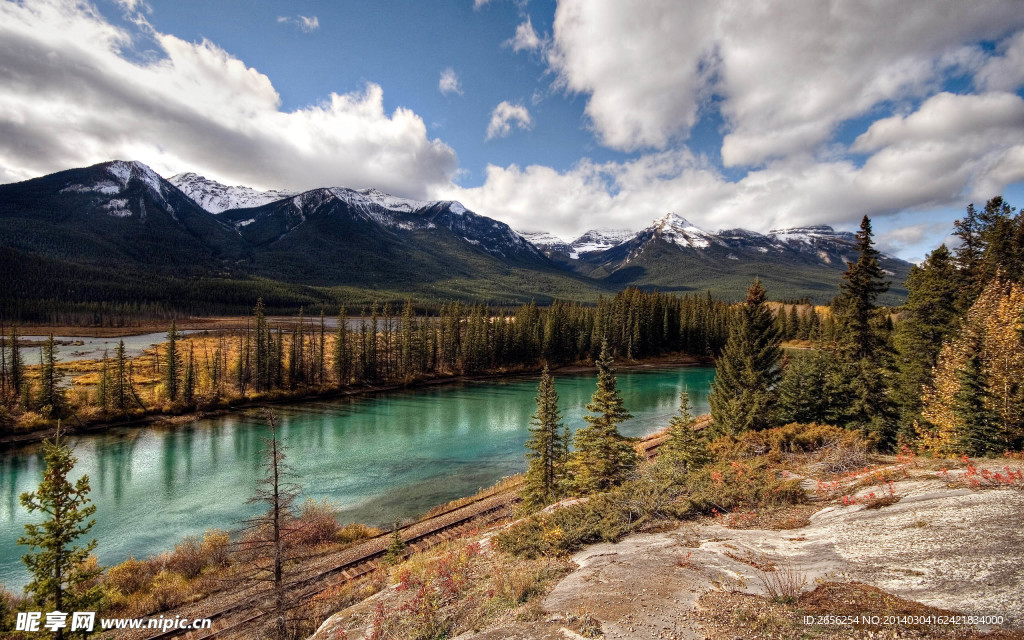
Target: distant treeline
(390,343)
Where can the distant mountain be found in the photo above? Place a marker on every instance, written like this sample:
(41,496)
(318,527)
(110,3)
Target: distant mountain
(372,238)
(115,214)
(117,231)
(590,242)
(216,197)
(674,254)
(120,231)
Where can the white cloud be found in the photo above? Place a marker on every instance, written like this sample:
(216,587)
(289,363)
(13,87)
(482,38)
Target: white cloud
(504,116)
(71,99)
(449,82)
(525,39)
(479,3)
(306,24)
(951,150)
(650,67)
(1006,72)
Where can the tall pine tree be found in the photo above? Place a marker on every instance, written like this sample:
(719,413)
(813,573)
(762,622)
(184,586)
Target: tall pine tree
(855,308)
(602,457)
(61,579)
(928,317)
(685,449)
(172,373)
(743,396)
(545,474)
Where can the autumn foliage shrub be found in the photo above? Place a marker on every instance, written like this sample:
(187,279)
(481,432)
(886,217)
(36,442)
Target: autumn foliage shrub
(129,577)
(188,558)
(317,523)
(170,590)
(792,438)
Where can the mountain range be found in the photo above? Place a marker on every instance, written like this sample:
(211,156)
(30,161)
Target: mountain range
(118,231)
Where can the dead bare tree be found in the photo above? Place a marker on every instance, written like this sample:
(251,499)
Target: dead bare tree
(267,533)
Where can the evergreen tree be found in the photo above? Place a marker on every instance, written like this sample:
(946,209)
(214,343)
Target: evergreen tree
(15,367)
(61,579)
(929,315)
(743,396)
(51,395)
(342,352)
(103,386)
(602,457)
(120,383)
(188,383)
(976,423)
(854,308)
(263,345)
(544,476)
(172,373)
(812,389)
(685,449)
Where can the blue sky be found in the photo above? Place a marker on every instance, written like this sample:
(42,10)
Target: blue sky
(557,116)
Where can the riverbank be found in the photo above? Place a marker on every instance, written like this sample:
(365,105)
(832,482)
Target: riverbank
(227,406)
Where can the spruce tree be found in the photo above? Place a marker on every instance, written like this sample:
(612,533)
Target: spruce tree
(928,317)
(602,457)
(15,368)
(103,386)
(51,395)
(120,387)
(188,382)
(743,396)
(61,579)
(172,372)
(854,308)
(685,450)
(544,476)
(977,424)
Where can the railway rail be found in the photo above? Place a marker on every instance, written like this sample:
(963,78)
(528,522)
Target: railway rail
(352,564)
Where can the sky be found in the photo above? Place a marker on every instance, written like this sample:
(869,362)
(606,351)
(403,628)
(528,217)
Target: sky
(556,116)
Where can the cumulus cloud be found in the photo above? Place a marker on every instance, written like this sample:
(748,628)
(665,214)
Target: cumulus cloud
(1005,72)
(71,99)
(650,67)
(306,24)
(526,39)
(954,148)
(504,116)
(449,82)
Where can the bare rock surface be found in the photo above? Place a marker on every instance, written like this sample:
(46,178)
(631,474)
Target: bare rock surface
(951,548)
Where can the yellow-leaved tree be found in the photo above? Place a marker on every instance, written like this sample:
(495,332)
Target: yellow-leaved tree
(975,404)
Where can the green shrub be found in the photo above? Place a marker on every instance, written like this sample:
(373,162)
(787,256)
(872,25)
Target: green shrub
(747,484)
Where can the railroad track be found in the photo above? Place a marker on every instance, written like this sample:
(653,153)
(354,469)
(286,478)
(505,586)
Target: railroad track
(418,536)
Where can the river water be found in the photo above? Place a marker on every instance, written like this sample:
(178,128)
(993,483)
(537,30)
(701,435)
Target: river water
(380,458)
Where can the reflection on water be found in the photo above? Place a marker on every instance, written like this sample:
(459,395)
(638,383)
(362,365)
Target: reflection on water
(379,458)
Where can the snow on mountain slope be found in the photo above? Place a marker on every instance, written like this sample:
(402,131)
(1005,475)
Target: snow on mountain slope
(680,231)
(599,240)
(216,197)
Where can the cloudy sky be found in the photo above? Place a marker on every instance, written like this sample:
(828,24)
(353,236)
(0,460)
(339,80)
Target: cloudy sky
(557,116)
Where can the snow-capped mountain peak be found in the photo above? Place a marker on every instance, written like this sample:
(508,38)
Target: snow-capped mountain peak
(217,198)
(680,231)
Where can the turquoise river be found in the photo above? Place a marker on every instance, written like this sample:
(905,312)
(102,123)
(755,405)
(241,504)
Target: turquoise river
(380,457)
